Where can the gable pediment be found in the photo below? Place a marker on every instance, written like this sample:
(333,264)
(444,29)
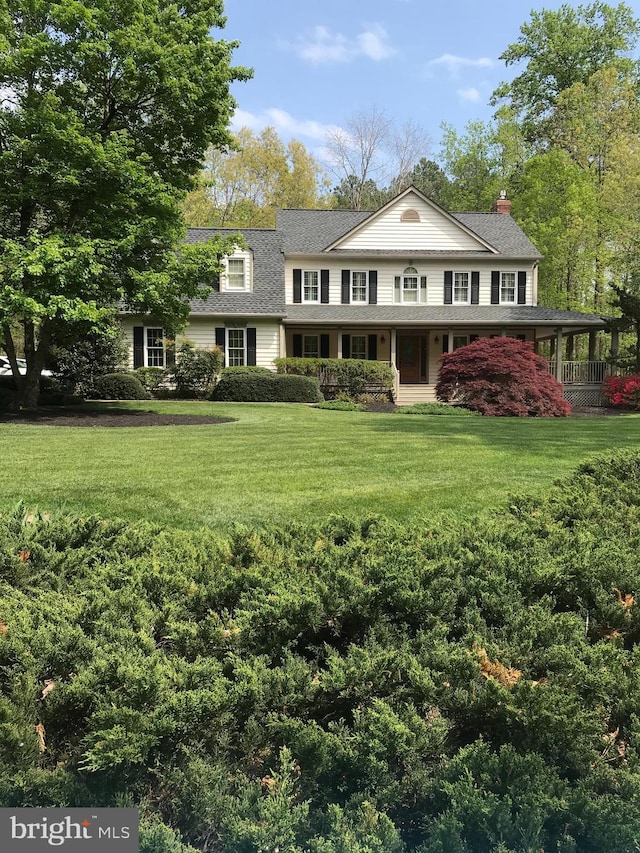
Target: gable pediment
(409,223)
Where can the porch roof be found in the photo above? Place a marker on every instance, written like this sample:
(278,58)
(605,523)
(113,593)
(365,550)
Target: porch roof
(442,315)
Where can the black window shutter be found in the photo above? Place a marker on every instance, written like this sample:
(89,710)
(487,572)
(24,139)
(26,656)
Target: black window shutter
(445,343)
(372,349)
(373,287)
(251,346)
(215,283)
(473,338)
(346,287)
(324,286)
(448,287)
(170,354)
(495,287)
(324,346)
(346,346)
(297,285)
(138,346)
(475,288)
(522,287)
(396,289)
(297,346)
(220,337)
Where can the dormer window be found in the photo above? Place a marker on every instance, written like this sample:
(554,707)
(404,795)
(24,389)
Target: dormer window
(409,215)
(237,272)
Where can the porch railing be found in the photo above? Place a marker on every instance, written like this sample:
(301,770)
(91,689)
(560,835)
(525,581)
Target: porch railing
(581,372)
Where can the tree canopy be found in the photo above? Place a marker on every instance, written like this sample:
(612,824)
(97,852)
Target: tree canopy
(107,110)
(560,48)
(245,184)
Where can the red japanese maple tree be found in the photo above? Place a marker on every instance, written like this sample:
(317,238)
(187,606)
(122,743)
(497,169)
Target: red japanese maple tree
(501,376)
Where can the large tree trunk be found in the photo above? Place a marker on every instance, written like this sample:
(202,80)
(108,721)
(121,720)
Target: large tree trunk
(28,385)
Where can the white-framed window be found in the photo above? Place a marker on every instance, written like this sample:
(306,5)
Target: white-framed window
(154,347)
(359,286)
(236,275)
(358,346)
(310,346)
(410,285)
(460,341)
(507,287)
(236,348)
(310,286)
(461,288)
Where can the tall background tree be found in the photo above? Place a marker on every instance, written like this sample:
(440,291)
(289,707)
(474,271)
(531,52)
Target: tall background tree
(244,185)
(372,158)
(107,110)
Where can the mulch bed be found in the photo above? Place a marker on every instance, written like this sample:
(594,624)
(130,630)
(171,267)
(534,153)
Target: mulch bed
(88,418)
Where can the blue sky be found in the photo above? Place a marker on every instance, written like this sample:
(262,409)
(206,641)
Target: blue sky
(318,63)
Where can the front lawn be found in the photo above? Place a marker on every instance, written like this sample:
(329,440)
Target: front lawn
(280,462)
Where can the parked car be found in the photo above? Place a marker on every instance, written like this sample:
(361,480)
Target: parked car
(5,367)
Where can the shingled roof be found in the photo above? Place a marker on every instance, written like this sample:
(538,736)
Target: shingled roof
(312,231)
(267,296)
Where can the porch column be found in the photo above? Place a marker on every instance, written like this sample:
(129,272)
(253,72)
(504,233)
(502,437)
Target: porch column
(339,341)
(282,343)
(393,355)
(559,354)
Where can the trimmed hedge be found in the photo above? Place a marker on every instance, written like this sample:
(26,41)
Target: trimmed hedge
(353,375)
(120,386)
(252,386)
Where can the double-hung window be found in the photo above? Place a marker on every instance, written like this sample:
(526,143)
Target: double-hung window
(310,286)
(461,288)
(359,290)
(236,274)
(507,287)
(236,348)
(410,282)
(155,347)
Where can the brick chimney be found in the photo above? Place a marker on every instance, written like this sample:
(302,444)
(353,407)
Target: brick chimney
(502,204)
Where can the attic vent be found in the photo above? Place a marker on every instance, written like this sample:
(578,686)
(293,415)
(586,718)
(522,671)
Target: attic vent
(409,215)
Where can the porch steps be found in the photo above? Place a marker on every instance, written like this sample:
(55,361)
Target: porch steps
(410,394)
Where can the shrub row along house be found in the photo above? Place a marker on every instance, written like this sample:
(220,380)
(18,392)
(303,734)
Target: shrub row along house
(401,285)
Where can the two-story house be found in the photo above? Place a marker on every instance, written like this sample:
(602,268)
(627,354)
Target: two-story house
(402,285)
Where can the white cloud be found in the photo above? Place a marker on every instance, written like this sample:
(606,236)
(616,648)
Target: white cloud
(470,94)
(454,64)
(285,124)
(324,47)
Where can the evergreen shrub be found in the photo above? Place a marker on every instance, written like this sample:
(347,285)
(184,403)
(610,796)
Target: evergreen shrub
(500,376)
(119,386)
(268,387)
(347,686)
(151,377)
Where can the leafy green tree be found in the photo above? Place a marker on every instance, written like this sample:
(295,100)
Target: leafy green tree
(472,163)
(107,111)
(560,48)
(556,204)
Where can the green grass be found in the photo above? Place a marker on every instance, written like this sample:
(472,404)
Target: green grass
(282,462)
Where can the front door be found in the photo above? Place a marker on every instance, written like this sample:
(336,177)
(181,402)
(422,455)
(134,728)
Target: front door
(412,359)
